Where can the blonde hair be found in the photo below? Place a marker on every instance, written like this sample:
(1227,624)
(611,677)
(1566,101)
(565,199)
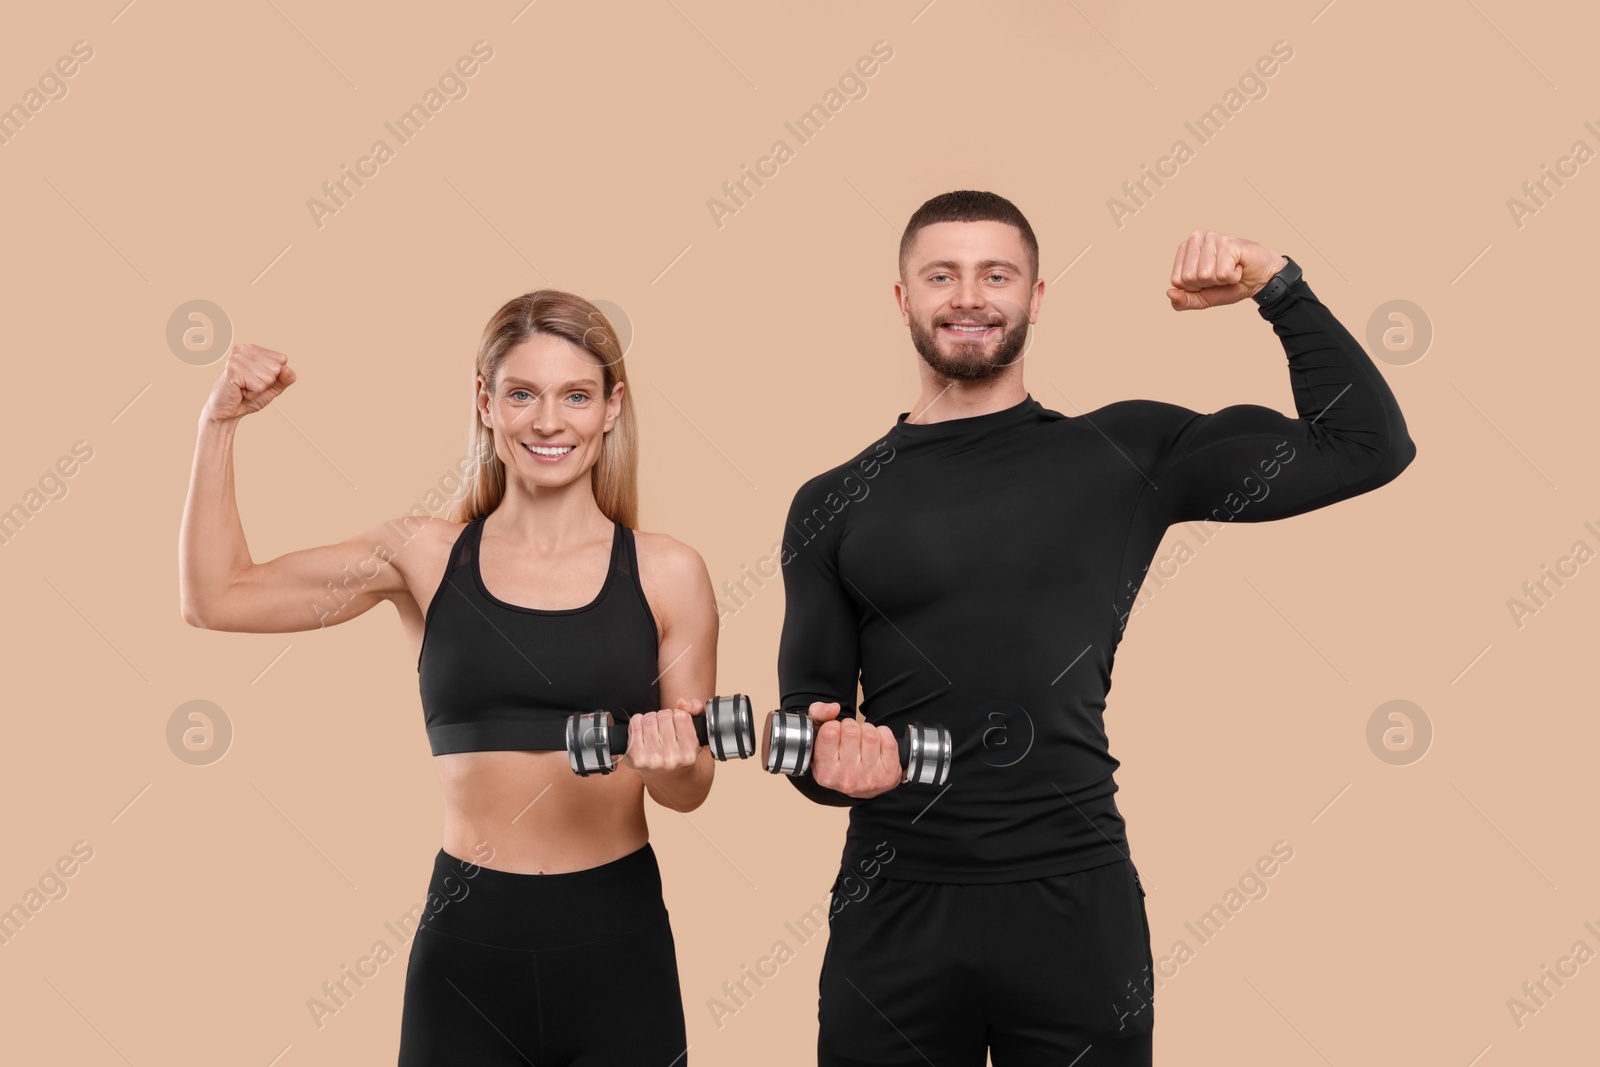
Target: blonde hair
(614,477)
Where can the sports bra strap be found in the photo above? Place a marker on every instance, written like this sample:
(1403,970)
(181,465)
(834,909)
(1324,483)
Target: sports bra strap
(461,551)
(626,560)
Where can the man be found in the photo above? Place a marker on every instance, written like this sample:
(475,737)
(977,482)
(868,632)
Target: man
(977,566)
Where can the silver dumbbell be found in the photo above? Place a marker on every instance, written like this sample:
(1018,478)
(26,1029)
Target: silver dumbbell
(786,746)
(595,742)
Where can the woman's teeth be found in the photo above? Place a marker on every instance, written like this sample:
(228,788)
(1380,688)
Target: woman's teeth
(559,450)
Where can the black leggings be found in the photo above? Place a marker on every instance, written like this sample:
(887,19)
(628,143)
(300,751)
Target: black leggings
(1048,971)
(574,968)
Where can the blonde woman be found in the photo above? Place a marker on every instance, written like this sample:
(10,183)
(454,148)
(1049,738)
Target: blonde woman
(546,938)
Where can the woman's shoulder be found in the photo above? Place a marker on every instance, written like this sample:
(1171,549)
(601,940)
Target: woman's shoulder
(675,582)
(666,554)
(422,541)
(669,568)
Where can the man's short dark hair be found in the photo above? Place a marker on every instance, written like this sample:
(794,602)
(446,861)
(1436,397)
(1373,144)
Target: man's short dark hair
(968,205)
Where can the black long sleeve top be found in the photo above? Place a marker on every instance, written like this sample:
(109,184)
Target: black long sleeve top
(979,572)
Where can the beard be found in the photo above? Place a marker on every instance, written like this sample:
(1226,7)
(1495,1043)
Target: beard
(967,360)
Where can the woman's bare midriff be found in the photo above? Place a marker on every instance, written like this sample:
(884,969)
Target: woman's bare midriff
(527,813)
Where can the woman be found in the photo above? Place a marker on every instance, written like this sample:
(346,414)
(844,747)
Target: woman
(546,939)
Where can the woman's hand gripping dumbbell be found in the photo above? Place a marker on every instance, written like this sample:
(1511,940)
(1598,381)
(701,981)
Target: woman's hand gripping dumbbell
(595,742)
(853,757)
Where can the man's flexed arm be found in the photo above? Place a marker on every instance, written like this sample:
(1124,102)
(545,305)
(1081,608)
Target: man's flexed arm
(1251,463)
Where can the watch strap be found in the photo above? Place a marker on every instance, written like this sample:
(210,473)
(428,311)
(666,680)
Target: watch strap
(1279,283)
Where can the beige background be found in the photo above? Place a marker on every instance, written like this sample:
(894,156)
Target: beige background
(178,167)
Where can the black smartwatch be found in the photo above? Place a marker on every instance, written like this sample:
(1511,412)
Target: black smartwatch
(1278,284)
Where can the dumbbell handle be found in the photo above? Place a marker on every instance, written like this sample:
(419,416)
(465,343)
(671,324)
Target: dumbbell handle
(617,735)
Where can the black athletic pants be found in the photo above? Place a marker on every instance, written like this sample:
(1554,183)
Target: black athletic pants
(1050,971)
(576,968)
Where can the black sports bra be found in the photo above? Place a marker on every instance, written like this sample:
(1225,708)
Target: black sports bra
(499,676)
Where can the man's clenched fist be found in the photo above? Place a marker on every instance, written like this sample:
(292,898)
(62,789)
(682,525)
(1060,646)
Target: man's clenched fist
(855,758)
(1212,269)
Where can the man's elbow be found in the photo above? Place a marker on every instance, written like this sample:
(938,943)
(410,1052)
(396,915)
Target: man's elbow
(1402,450)
(1395,457)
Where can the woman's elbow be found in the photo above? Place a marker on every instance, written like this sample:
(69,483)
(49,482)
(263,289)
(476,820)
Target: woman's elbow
(190,610)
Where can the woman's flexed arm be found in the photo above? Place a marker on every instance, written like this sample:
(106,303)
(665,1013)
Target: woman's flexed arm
(219,586)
